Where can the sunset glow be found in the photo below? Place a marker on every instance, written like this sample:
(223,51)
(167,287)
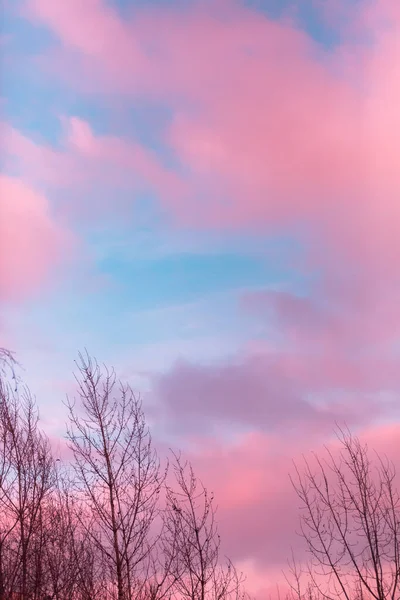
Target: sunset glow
(206,196)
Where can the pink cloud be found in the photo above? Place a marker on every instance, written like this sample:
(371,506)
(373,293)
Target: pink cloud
(123,157)
(268,125)
(259,524)
(32,244)
(335,322)
(252,489)
(280,390)
(86,160)
(270,130)
(98,32)
(324,362)
(335,341)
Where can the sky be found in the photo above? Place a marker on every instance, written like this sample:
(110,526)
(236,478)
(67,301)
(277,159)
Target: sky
(205,195)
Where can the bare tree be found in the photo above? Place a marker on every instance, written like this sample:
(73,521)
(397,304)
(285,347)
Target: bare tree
(8,365)
(105,525)
(350,521)
(118,476)
(193,542)
(26,480)
(62,551)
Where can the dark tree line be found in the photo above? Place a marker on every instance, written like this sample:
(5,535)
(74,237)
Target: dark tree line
(109,523)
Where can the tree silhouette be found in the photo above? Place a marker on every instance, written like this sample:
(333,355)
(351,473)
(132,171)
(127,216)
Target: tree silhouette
(350,521)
